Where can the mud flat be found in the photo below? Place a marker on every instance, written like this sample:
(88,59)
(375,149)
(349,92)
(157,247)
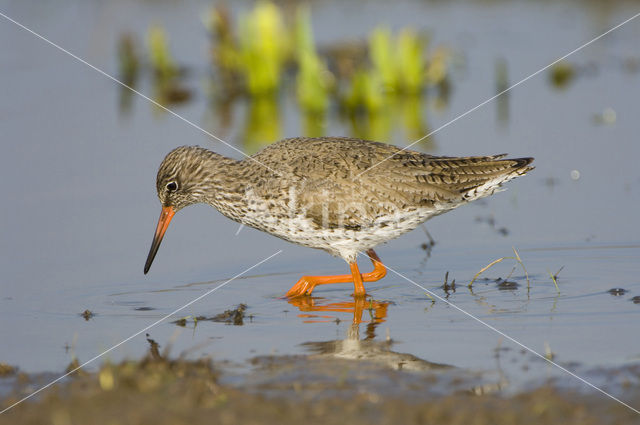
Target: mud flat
(313,389)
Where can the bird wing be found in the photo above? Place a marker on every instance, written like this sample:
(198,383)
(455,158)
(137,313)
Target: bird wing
(350,182)
(452,180)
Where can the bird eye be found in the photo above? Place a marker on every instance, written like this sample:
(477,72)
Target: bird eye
(172,186)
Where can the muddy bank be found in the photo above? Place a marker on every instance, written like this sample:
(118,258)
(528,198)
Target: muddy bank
(336,391)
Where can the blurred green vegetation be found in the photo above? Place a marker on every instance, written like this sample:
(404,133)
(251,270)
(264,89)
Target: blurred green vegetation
(375,86)
(162,61)
(502,85)
(314,81)
(561,74)
(167,85)
(129,67)
(263,49)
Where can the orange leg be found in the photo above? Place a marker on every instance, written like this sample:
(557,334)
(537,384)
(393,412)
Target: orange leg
(307,284)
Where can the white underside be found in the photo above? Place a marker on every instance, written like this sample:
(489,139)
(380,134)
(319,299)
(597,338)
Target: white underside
(347,243)
(341,242)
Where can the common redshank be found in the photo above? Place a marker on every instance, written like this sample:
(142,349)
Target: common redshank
(338,194)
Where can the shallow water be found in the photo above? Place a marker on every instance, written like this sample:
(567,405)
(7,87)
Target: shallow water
(80,205)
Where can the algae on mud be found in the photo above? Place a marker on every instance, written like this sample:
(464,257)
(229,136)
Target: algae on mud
(162,391)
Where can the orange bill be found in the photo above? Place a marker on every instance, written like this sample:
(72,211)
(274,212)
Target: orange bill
(163,222)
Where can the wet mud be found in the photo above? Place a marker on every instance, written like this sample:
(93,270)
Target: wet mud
(320,388)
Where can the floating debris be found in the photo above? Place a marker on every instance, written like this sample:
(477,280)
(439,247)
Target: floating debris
(507,285)
(575,175)
(87,314)
(494,262)
(180,322)
(448,287)
(232,317)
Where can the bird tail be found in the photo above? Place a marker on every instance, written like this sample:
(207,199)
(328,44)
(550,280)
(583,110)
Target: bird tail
(498,172)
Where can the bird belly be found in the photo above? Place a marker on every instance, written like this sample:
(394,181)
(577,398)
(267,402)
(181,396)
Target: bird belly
(291,223)
(344,242)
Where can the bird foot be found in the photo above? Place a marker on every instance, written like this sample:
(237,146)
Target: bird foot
(307,284)
(304,286)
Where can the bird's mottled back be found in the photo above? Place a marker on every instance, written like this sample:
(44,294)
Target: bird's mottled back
(345,181)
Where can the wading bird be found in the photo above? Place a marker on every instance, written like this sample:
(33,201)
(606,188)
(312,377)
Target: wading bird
(338,194)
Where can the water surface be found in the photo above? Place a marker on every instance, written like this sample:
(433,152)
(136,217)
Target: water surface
(79,203)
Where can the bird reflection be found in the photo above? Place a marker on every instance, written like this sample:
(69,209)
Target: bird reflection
(352,347)
(373,354)
(377,311)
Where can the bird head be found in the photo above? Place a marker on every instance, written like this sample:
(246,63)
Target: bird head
(183,180)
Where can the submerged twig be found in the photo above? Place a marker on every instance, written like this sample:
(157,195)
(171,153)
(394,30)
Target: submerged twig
(448,287)
(555,282)
(510,273)
(485,268)
(493,263)
(558,272)
(521,264)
